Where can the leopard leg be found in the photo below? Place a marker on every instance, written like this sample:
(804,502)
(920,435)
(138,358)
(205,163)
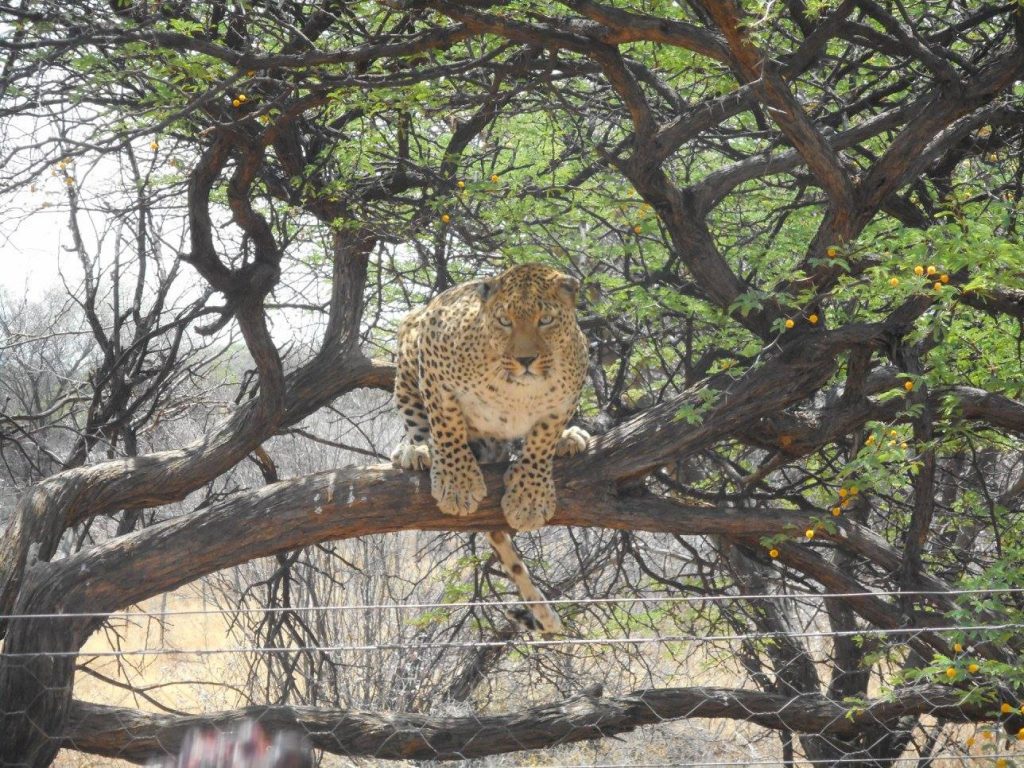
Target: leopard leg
(540,614)
(413,452)
(529,499)
(455,477)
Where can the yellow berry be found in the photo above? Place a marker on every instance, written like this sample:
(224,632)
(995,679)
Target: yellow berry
(894,281)
(460,184)
(836,511)
(236,103)
(842,493)
(154,146)
(1005,708)
(637,229)
(69,180)
(972,668)
(870,439)
(854,490)
(908,385)
(970,741)
(903,445)
(918,270)
(790,323)
(956,646)
(950,672)
(773,553)
(494,178)
(241,97)
(1001,762)
(937,286)
(832,252)
(931,270)
(809,533)
(812,319)
(445,218)
(944,278)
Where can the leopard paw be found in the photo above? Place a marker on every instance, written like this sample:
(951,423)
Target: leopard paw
(458,487)
(529,499)
(411,456)
(573,440)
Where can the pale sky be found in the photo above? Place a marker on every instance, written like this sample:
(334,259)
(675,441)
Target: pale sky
(32,241)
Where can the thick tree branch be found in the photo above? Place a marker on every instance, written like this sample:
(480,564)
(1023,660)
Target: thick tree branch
(134,735)
(997,301)
(627,27)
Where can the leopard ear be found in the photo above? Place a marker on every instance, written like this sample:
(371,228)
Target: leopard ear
(569,286)
(486,287)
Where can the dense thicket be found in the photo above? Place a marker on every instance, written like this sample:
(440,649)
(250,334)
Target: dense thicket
(797,229)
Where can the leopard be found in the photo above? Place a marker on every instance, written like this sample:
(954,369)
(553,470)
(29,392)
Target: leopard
(482,365)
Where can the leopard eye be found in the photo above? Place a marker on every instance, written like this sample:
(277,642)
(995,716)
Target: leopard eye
(545,320)
(504,322)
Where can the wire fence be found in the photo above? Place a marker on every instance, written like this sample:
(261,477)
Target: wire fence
(655,599)
(706,702)
(535,643)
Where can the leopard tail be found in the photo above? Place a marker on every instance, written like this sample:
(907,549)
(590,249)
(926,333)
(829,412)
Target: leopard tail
(537,613)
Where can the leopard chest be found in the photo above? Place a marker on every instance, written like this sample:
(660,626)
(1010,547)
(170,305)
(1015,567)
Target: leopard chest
(506,410)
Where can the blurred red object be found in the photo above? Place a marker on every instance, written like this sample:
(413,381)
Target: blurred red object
(246,747)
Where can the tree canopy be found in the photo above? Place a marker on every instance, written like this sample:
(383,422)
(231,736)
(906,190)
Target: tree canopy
(797,229)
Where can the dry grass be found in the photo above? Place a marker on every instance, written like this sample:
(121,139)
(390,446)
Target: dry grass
(188,682)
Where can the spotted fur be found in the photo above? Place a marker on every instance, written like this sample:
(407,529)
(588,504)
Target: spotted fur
(484,363)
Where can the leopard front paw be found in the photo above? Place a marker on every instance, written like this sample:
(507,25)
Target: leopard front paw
(573,440)
(458,485)
(411,456)
(529,499)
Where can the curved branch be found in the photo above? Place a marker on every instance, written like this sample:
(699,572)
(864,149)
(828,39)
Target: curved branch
(628,27)
(47,510)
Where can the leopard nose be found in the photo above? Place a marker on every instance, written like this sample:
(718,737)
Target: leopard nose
(525,361)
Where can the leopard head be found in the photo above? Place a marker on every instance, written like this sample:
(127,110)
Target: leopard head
(529,313)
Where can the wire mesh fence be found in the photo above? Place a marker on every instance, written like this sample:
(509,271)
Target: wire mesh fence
(938,694)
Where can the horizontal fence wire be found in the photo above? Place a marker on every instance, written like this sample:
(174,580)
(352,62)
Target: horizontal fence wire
(136,614)
(909,632)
